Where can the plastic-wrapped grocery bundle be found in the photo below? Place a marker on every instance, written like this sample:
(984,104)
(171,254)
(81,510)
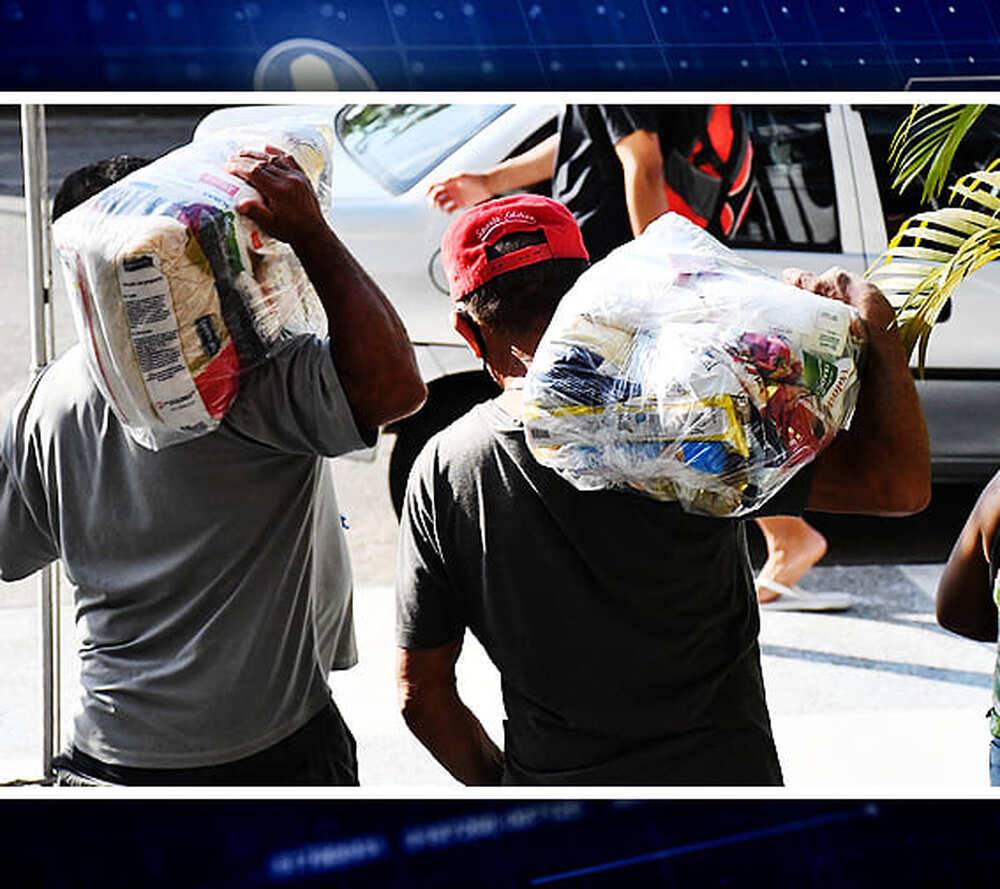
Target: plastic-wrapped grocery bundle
(675,368)
(174,293)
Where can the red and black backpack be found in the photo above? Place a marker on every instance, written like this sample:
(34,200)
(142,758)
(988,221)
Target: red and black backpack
(708,169)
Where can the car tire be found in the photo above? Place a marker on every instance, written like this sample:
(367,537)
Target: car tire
(448,398)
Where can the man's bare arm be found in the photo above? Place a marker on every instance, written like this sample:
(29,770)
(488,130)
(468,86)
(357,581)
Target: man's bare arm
(881,465)
(964,603)
(465,189)
(369,344)
(434,712)
(642,166)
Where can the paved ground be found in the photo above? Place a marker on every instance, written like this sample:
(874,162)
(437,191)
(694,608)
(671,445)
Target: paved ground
(877,699)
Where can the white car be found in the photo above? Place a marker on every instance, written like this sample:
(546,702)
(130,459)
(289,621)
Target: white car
(823,198)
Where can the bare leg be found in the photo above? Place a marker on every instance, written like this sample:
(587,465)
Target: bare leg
(793,547)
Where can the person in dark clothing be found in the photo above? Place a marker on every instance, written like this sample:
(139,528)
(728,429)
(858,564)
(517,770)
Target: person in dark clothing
(618,167)
(624,630)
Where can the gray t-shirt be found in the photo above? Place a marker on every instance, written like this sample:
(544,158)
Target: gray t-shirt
(206,623)
(625,630)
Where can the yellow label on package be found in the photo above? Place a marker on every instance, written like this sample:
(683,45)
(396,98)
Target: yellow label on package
(715,418)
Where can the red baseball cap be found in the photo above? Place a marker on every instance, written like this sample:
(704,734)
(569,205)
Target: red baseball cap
(467,262)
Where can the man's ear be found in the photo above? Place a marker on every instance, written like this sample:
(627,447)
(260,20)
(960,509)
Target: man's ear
(460,323)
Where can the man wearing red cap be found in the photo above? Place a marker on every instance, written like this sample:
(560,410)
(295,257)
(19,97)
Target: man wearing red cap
(617,168)
(624,630)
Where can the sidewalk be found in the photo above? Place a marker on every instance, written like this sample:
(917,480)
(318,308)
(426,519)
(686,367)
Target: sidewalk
(881,696)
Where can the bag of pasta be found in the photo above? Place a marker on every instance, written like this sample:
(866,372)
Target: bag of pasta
(175,295)
(677,369)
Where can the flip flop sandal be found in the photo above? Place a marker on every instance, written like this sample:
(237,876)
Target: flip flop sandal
(798,599)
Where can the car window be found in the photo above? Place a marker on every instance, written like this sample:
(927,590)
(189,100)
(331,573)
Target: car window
(794,205)
(399,144)
(978,149)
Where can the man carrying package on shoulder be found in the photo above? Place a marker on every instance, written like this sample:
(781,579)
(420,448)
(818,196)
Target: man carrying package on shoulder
(619,167)
(624,629)
(195,565)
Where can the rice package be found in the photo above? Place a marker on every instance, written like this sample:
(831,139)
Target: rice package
(679,370)
(175,294)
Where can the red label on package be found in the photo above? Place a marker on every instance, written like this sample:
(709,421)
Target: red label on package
(215,182)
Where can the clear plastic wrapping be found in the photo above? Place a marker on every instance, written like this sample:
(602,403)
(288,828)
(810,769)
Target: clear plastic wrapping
(675,368)
(174,293)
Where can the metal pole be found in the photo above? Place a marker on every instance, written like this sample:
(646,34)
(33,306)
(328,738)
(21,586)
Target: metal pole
(36,199)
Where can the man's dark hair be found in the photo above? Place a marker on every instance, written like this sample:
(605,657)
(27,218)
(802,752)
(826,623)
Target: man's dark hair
(87,181)
(517,301)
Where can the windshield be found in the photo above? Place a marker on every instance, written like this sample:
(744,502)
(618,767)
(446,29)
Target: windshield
(400,144)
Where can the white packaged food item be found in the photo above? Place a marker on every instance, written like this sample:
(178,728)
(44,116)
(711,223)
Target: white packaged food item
(677,369)
(174,293)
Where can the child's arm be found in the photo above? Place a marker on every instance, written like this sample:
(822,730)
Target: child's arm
(964,600)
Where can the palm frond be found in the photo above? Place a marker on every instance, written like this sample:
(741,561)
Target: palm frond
(926,142)
(934,252)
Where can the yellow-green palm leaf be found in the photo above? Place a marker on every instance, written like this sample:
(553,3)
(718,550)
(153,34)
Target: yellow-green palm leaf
(935,251)
(926,142)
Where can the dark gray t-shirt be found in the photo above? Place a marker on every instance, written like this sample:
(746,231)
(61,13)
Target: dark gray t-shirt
(198,587)
(624,629)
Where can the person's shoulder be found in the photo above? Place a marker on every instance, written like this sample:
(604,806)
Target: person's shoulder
(290,371)
(987,512)
(59,397)
(297,343)
(622,120)
(293,402)
(446,477)
(60,389)
(290,350)
(69,373)
(460,448)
